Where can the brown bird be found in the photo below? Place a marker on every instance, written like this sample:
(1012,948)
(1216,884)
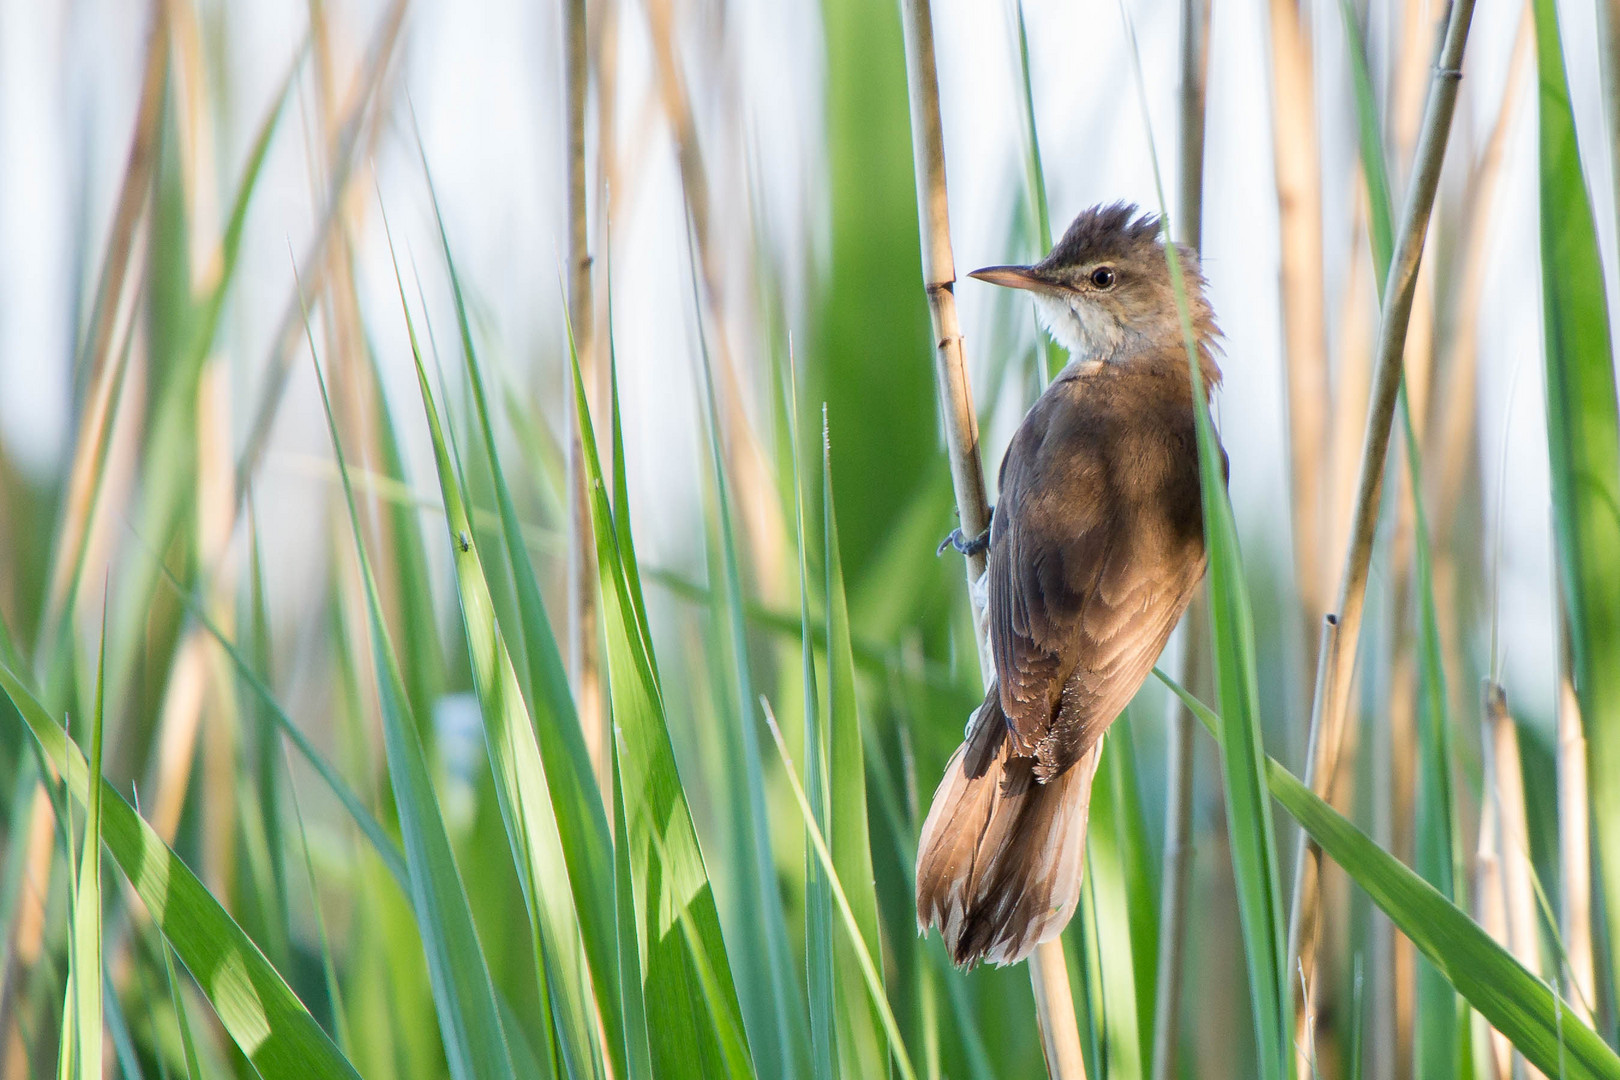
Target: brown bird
(1096,546)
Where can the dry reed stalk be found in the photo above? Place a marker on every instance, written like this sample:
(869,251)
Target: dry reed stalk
(133,193)
(1608,25)
(1299,224)
(1454,429)
(348,366)
(757,503)
(1505,776)
(1358,314)
(1304,923)
(1492,914)
(1334,674)
(1574,836)
(27,930)
(111,299)
(1048,967)
(584,660)
(1195,647)
(360,129)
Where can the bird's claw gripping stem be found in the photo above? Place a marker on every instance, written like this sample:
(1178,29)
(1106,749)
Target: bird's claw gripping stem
(965,546)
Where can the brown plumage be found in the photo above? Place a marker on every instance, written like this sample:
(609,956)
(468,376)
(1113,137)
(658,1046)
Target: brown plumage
(1095,550)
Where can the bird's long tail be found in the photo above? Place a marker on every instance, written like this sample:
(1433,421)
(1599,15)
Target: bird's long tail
(1001,854)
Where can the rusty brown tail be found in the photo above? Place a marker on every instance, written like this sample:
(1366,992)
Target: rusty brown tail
(1001,854)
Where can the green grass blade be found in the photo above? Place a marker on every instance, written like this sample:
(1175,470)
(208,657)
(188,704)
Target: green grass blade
(772,1005)
(818,899)
(182,1020)
(1539,1023)
(575,800)
(850,836)
(1583,437)
(638,1052)
(683,958)
(522,783)
(368,824)
(863,952)
(254,1004)
(469,1019)
(85,956)
(1120,869)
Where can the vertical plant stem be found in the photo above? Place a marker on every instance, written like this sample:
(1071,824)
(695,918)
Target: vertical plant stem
(1299,210)
(1337,664)
(1049,974)
(1574,835)
(1179,766)
(1304,921)
(1505,777)
(584,663)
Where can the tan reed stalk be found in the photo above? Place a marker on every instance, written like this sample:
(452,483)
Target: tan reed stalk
(1608,22)
(584,661)
(1048,967)
(1453,429)
(1492,915)
(1333,675)
(110,297)
(1195,651)
(1299,211)
(132,195)
(1304,923)
(759,507)
(1574,834)
(360,129)
(27,930)
(1505,776)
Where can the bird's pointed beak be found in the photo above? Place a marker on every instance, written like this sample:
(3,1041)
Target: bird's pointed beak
(1013,277)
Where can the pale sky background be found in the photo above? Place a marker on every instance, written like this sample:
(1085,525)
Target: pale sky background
(486,82)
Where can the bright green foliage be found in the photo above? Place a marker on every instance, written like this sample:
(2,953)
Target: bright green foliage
(1520,1006)
(254,1004)
(469,1017)
(697,1030)
(1583,447)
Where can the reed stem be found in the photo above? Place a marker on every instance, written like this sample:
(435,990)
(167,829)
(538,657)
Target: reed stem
(584,661)
(1048,967)
(1337,663)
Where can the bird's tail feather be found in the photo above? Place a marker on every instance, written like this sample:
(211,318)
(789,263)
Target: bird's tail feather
(1001,854)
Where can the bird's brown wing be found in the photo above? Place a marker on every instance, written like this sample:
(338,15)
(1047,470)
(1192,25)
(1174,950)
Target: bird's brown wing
(1096,551)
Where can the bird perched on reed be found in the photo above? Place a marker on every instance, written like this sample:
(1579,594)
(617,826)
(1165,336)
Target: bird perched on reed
(1096,546)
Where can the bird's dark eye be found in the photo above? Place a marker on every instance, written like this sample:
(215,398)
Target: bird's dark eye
(1103,277)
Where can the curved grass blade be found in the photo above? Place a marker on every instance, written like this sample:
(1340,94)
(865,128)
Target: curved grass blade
(818,900)
(863,953)
(772,1004)
(638,1052)
(850,835)
(522,786)
(84,958)
(255,1006)
(469,1018)
(677,932)
(1539,1023)
(1583,445)
(573,800)
(369,826)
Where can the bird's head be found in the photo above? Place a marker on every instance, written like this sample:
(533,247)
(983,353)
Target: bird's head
(1105,292)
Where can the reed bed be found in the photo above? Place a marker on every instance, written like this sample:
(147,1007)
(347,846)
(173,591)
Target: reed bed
(408,672)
